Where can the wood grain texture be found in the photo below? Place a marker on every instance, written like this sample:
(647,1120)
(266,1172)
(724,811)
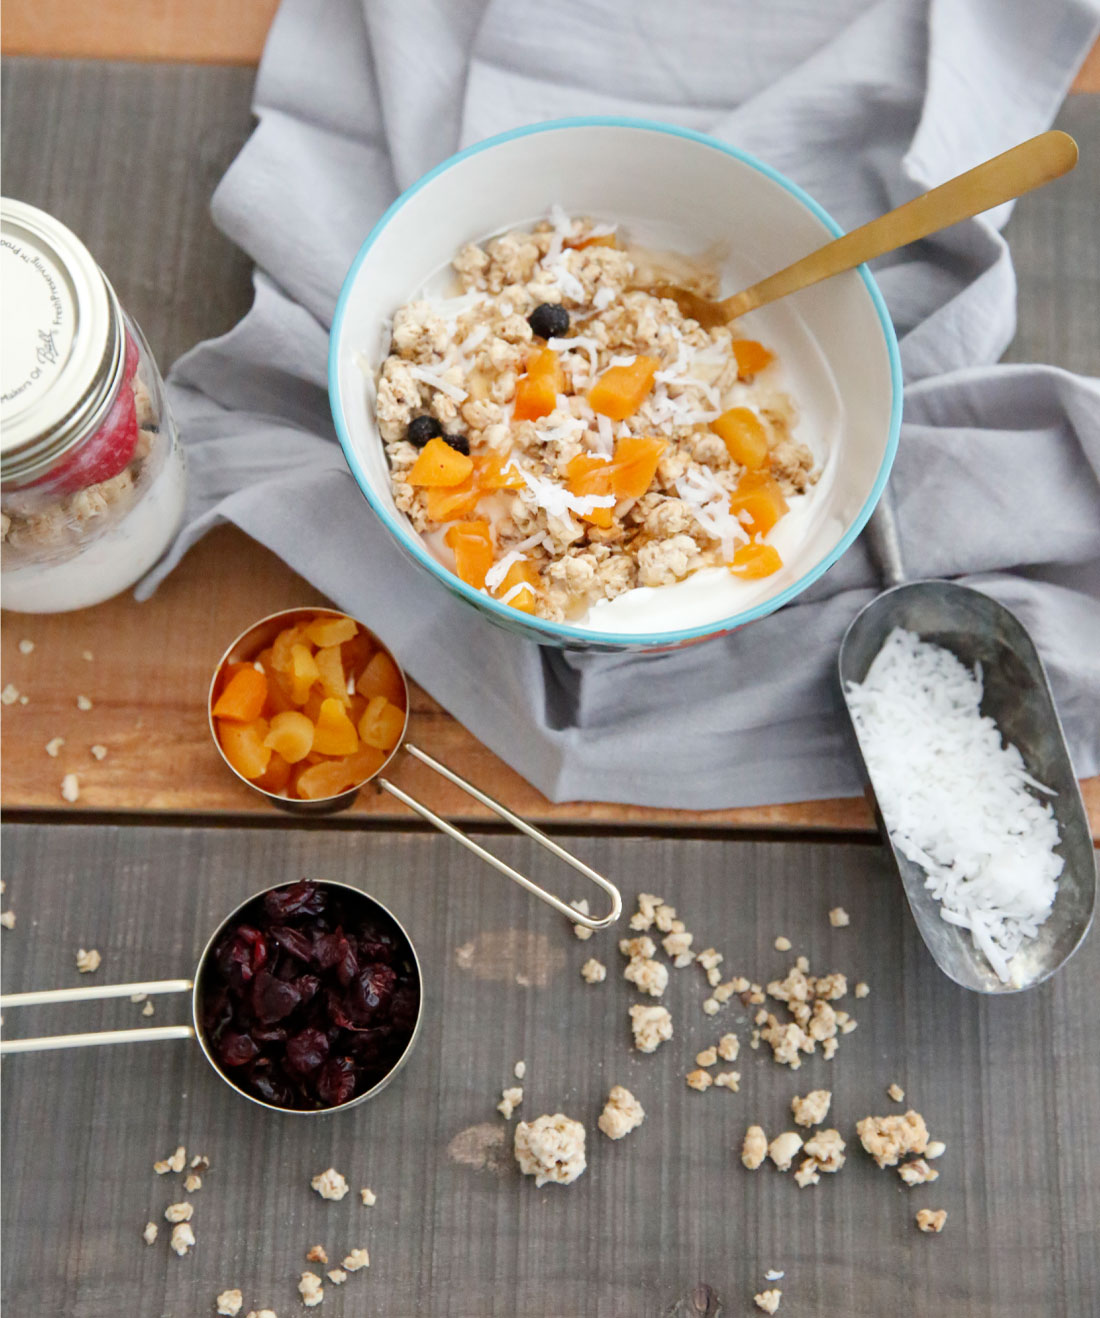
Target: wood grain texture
(1007,1085)
(184,281)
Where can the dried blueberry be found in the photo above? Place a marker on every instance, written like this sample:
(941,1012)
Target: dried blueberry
(421,429)
(549,320)
(459,443)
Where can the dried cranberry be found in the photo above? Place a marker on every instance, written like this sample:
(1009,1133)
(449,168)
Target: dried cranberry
(292,941)
(268,1033)
(307,986)
(336,1081)
(371,992)
(236,1049)
(306,1051)
(242,953)
(272,999)
(269,1084)
(301,898)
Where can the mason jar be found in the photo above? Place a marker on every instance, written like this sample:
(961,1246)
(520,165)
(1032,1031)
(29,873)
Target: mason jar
(92,480)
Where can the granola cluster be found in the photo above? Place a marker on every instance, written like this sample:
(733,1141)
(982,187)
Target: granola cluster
(458,366)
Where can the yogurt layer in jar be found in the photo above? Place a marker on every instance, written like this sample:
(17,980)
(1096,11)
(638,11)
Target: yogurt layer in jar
(92,482)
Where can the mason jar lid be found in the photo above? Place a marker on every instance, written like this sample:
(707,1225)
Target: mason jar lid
(63,345)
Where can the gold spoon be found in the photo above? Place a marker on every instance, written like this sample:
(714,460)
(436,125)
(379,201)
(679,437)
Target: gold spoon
(1021,169)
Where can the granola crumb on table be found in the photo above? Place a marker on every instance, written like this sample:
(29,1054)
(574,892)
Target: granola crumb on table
(839,918)
(230,1303)
(593,971)
(813,1108)
(768,1300)
(183,1238)
(887,1139)
(551,1149)
(896,1092)
(337,1276)
(316,1254)
(311,1289)
(754,1147)
(783,1148)
(510,1099)
(622,1113)
(368,1197)
(330,1184)
(149,1233)
(931,1219)
(652,1026)
(358,1258)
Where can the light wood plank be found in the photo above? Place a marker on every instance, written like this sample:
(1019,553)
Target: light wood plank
(665,1210)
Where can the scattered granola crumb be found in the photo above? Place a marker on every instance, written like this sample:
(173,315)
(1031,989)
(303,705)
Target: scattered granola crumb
(53,747)
(87,962)
(710,1006)
(358,1258)
(700,1080)
(936,1149)
(148,1010)
(728,1047)
(621,1114)
(519,1070)
(337,1276)
(138,997)
(730,1080)
(26,647)
(149,1235)
(754,1147)
(861,990)
(886,1139)
(931,1219)
(509,1101)
(173,1163)
(24,700)
(782,944)
(839,918)
(828,1048)
(783,1148)
(367,1195)
(70,788)
(917,1172)
(550,1148)
(593,971)
(826,1147)
(580,930)
(200,1163)
(464,955)
(230,1303)
(100,752)
(896,1092)
(7,919)
(330,1184)
(707,1057)
(651,1026)
(813,1109)
(768,1300)
(647,975)
(9,695)
(261,1313)
(179,1212)
(193,1181)
(807,1173)
(183,1238)
(311,1289)
(317,1254)
(82,702)
(87,656)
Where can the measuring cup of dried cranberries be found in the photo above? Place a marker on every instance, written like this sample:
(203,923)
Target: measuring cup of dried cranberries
(308,997)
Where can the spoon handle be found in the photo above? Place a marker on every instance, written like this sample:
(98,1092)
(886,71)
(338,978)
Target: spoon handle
(1029,165)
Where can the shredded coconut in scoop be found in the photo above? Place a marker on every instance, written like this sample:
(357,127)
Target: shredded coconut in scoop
(957,799)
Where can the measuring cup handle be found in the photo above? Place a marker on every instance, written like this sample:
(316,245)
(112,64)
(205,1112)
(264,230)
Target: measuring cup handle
(884,541)
(95,1038)
(524,827)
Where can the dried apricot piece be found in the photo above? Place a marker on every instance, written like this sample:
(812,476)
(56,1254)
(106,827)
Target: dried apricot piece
(382,724)
(381,677)
(493,472)
(758,502)
(279,693)
(525,575)
(537,391)
(303,672)
(445,505)
(290,735)
(473,550)
(620,390)
(751,356)
(587,475)
(325,631)
(635,464)
(334,733)
(331,777)
(244,696)
(282,645)
(755,560)
(439,464)
(276,776)
(356,653)
(330,665)
(744,436)
(244,747)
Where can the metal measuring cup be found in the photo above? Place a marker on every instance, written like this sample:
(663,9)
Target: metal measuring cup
(256,638)
(1017,695)
(196,987)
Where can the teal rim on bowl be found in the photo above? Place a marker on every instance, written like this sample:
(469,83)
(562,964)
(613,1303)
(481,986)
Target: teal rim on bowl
(540,629)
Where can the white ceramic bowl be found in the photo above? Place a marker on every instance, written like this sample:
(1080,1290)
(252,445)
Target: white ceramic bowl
(679,190)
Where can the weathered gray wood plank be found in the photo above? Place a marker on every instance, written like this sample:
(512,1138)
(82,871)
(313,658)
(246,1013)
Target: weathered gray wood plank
(1008,1084)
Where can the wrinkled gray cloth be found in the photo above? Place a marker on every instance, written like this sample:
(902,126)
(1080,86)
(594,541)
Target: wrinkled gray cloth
(864,104)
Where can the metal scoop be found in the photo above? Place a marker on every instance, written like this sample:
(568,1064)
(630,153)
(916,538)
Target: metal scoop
(1016,694)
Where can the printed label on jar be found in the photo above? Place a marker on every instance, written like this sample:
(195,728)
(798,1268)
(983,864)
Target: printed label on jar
(37,341)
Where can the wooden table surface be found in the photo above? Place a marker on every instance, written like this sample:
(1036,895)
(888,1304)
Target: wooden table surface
(184,282)
(1008,1084)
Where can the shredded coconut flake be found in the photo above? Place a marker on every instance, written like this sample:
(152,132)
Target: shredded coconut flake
(425,376)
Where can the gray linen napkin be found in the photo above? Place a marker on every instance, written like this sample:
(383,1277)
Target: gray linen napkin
(864,104)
